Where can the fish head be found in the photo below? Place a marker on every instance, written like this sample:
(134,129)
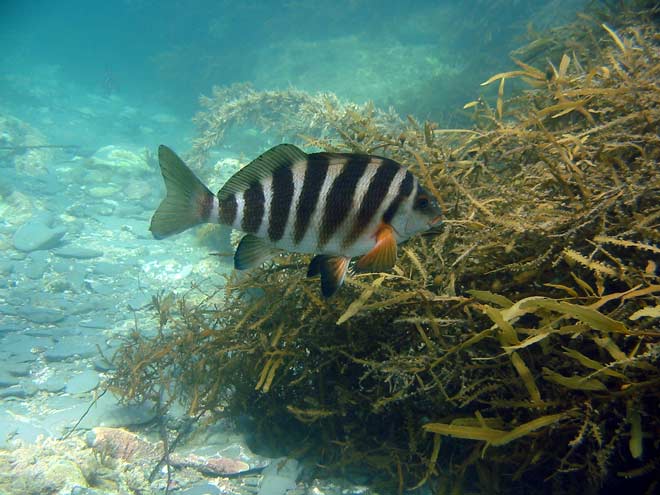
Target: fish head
(424,214)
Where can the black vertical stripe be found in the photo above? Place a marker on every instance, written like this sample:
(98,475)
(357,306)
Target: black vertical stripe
(280,203)
(253,209)
(373,198)
(204,205)
(315,172)
(404,191)
(340,197)
(227,210)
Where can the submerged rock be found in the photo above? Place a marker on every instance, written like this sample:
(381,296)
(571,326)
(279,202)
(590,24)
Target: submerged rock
(77,252)
(42,316)
(127,446)
(24,142)
(7,379)
(86,381)
(118,158)
(280,476)
(35,235)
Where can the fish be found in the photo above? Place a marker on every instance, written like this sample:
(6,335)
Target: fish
(334,206)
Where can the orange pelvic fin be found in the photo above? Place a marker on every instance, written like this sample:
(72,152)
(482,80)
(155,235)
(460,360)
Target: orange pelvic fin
(383,255)
(332,270)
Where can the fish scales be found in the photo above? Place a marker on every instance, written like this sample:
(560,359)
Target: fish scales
(281,199)
(267,188)
(315,178)
(298,170)
(339,201)
(374,197)
(228,210)
(310,239)
(337,243)
(253,208)
(405,189)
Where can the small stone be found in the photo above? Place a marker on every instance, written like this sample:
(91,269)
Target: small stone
(101,322)
(120,160)
(100,192)
(84,382)
(6,268)
(202,488)
(18,369)
(42,315)
(280,476)
(107,412)
(70,347)
(77,252)
(35,235)
(14,430)
(65,475)
(103,365)
(20,391)
(109,269)
(53,384)
(137,190)
(9,327)
(7,380)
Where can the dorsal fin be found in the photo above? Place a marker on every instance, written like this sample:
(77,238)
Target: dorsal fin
(282,155)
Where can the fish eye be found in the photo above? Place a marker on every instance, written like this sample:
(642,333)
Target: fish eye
(422,203)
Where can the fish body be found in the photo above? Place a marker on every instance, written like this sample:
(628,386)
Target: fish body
(334,205)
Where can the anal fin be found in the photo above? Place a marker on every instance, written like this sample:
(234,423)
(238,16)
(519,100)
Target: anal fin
(252,251)
(332,270)
(382,256)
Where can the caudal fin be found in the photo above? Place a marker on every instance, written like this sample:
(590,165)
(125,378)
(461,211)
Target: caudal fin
(188,202)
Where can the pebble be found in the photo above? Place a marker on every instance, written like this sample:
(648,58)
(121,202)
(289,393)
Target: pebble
(35,235)
(107,412)
(109,269)
(12,429)
(6,268)
(77,252)
(53,384)
(70,347)
(18,348)
(203,488)
(280,476)
(8,309)
(8,327)
(95,321)
(7,380)
(18,369)
(35,265)
(103,365)
(20,391)
(81,383)
(40,315)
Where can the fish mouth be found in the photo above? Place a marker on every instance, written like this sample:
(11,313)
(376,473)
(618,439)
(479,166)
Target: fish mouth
(435,222)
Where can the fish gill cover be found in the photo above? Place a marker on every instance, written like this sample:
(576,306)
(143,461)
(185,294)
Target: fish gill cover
(517,350)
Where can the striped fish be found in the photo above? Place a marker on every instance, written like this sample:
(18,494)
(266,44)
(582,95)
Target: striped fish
(333,205)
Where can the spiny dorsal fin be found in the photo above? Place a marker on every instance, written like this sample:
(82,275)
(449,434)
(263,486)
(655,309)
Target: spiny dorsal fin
(252,251)
(282,155)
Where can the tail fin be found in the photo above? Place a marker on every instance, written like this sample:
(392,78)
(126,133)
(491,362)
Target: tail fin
(188,202)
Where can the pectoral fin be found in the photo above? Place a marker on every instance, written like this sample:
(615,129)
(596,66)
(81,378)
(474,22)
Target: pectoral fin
(383,255)
(252,251)
(332,269)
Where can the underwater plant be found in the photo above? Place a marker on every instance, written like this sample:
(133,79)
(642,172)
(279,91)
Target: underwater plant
(521,344)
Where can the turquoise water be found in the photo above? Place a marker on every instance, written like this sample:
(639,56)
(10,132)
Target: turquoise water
(88,90)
